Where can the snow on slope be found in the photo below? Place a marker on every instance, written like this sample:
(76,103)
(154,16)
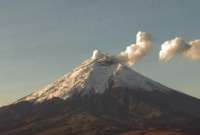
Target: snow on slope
(92,76)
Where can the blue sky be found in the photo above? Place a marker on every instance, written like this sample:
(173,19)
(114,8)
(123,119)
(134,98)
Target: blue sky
(40,40)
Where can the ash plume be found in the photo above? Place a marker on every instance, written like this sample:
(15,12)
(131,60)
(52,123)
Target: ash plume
(136,51)
(178,46)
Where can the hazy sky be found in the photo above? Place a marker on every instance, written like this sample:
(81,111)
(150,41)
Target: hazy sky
(40,40)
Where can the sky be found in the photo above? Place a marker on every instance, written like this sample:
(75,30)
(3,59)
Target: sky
(41,40)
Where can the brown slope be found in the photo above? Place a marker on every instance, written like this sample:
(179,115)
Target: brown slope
(117,110)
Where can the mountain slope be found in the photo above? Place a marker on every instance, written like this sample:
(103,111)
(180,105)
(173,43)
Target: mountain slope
(93,76)
(102,96)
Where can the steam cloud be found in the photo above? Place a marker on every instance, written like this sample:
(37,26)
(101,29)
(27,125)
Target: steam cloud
(96,54)
(144,42)
(193,52)
(136,51)
(176,46)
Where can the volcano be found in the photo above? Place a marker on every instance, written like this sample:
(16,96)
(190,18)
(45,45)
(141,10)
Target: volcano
(102,96)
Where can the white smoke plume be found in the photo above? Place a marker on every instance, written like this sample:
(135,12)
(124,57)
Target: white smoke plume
(176,46)
(193,52)
(136,51)
(97,54)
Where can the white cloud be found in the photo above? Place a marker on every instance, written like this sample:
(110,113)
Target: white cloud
(136,51)
(178,46)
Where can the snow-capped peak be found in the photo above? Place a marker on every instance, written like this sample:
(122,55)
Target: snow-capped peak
(92,76)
